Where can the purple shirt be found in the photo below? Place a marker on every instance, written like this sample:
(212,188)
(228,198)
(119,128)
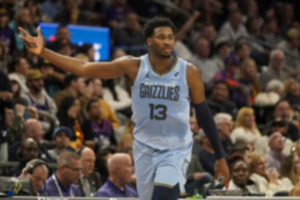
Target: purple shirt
(53,191)
(274,159)
(108,189)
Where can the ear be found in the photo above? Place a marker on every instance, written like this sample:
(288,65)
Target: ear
(149,41)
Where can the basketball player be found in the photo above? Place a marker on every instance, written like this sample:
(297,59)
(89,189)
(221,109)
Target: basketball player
(162,85)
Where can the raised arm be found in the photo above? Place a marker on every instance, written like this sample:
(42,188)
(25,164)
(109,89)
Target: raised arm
(206,122)
(113,69)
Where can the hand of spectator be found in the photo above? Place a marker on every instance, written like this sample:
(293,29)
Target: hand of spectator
(198,176)
(33,44)
(272,174)
(20,109)
(6,96)
(33,113)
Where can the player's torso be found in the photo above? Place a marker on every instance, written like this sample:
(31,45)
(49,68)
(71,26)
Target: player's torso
(160,104)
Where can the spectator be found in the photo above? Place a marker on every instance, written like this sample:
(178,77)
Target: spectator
(27,151)
(97,129)
(267,181)
(68,115)
(270,32)
(120,172)
(202,61)
(292,93)
(290,168)
(219,100)
(90,180)
(62,36)
(242,150)
(37,171)
(273,93)
(61,140)
(19,67)
(275,69)
(130,37)
(104,153)
(22,19)
(71,14)
(221,51)
(242,50)
(233,28)
(239,169)
(107,111)
(115,13)
(6,33)
(125,143)
(62,182)
(196,176)
(275,154)
(238,91)
(224,125)
(51,8)
(74,86)
(249,77)
(36,14)
(245,123)
(38,98)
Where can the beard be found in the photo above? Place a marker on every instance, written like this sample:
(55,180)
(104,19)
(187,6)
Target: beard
(166,56)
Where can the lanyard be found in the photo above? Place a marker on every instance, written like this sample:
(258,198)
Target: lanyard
(58,188)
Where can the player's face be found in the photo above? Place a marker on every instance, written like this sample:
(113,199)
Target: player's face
(162,41)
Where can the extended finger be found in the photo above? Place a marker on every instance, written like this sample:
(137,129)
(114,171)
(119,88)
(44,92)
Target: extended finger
(39,31)
(23,31)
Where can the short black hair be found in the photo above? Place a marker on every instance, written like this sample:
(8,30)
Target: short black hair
(157,22)
(89,104)
(69,78)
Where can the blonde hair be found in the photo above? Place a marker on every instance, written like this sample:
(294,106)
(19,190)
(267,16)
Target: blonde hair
(240,117)
(287,85)
(243,74)
(255,156)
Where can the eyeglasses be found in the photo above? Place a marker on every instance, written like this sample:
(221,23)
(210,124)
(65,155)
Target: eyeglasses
(75,169)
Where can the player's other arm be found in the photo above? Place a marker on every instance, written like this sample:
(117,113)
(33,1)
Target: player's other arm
(206,121)
(113,69)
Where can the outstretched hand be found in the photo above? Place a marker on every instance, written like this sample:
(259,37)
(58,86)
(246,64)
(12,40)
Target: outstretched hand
(221,169)
(33,44)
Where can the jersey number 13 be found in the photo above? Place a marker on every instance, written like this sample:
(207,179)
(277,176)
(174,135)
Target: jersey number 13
(158,112)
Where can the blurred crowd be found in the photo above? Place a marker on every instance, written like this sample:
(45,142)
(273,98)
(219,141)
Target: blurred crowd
(246,50)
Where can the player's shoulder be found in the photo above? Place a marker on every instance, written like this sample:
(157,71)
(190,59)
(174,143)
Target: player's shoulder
(191,68)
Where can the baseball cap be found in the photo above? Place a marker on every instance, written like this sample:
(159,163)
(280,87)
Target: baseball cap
(33,74)
(232,59)
(65,129)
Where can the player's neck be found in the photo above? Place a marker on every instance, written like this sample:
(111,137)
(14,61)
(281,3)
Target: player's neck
(161,64)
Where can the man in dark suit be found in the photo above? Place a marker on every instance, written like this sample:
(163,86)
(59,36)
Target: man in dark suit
(90,181)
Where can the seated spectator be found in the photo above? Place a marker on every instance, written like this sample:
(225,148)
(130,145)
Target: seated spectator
(68,115)
(51,8)
(130,37)
(267,181)
(28,150)
(292,93)
(74,86)
(221,51)
(37,171)
(62,36)
(238,91)
(290,168)
(90,180)
(120,171)
(239,170)
(6,33)
(242,50)
(201,60)
(107,111)
(32,128)
(62,182)
(19,66)
(36,13)
(71,14)
(275,69)
(244,151)
(224,125)
(245,123)
(277,125)
(196,176)
(275,154)
(248,76)
(38,98)
(103,154)
(125,143)
(219,100)
(97,129)
(273,93)
(61,140)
